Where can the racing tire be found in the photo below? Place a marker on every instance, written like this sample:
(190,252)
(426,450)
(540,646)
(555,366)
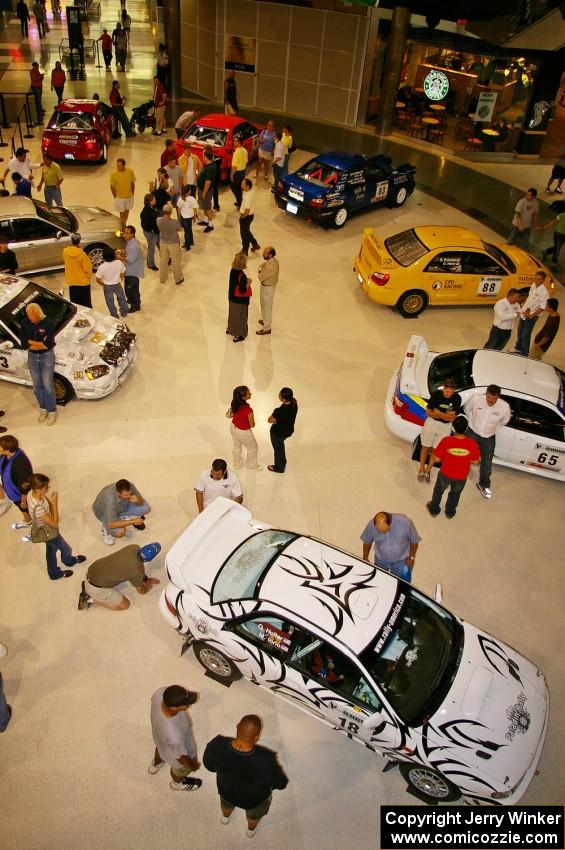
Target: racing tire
(64,392)
(94,254)
(215,662)
(103,154)
(400,197)
(428,783)
(412,303)
(340,217)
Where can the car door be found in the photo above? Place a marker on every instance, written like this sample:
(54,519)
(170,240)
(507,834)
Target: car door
(13,359)
(249,136)
(40,242)
(443,277)
(103,122)
(486,280)
(346,696)
(377,185)
(538,437)
(356,192)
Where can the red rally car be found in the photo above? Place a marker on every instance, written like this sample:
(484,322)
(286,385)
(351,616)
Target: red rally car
(79,130)
(218,130)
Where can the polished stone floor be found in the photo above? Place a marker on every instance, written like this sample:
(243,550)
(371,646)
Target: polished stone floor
(73,764)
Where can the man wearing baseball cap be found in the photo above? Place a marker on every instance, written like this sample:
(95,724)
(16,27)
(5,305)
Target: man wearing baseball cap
(21,164)
(103,575)
(173,736)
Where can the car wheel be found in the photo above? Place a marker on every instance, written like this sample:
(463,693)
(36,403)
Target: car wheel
(215,662)
(94,254)
(340,217)
(63,390)
(103,154)
(412,303)
(428,783)
(400,197)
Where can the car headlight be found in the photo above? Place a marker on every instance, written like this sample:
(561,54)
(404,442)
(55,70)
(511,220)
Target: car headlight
(94,372)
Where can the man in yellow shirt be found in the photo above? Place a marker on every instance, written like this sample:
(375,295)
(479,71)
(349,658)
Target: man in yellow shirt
(122,186)
(51,179)
(238,166)
(78,272)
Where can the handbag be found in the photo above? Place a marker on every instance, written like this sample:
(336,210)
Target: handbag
(41,533)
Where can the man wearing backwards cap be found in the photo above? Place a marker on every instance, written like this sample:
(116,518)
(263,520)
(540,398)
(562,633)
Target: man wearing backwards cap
(173,736)
(104,574)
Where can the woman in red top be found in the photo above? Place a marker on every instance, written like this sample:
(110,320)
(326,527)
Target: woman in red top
(58,80)
(242,423)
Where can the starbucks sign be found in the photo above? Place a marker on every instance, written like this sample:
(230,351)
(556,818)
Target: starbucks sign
(436,85)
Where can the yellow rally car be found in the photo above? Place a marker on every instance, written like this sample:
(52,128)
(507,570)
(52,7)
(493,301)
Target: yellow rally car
(441,265)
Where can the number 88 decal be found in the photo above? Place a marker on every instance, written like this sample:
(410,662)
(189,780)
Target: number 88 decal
(489,286)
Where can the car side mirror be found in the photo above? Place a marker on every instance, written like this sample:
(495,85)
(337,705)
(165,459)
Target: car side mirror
(60,234)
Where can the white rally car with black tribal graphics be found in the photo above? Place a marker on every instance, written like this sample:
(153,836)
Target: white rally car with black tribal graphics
(464,714)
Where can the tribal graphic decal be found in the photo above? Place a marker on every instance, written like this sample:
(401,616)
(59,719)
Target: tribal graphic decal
(328,584)
(497,657)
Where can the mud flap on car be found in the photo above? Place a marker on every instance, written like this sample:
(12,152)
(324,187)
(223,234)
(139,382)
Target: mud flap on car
(187,642)
(221,679)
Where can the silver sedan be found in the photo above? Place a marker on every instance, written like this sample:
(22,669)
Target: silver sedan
(38,233)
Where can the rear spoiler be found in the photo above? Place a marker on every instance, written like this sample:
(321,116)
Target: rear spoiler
(416,349)
(406,168)
(192,536)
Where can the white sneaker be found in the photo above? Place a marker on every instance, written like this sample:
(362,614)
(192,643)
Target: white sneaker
(225,819)
(108,538)
(3,650)
(51,418)
(484,491)
(155,768)
(21,524)
(251,833)
(26,538)
(42,415)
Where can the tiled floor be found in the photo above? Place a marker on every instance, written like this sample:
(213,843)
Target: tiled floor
(73,765)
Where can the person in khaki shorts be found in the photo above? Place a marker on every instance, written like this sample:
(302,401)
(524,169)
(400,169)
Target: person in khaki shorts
(442,408)
(122,186)
(169,247)
(128,564)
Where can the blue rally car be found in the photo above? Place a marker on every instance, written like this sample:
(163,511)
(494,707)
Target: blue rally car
(328,188)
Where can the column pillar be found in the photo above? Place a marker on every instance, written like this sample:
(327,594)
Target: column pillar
(171,25)
(393,66)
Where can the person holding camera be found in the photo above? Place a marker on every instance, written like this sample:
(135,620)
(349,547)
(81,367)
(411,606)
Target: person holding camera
(118,506)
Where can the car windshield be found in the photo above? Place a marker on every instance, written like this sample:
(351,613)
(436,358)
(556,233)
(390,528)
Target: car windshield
(415,657)
(71,121)
(500,256)
(57,216)
(457,365)
(207,135)
(405,247)
(55,308)
(319,173)
(241,574)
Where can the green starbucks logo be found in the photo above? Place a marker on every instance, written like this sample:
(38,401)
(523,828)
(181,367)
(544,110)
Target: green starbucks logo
(436,85)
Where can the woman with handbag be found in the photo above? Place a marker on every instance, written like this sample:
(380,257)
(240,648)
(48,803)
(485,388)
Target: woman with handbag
(241,428)
(44,512)
(239,294)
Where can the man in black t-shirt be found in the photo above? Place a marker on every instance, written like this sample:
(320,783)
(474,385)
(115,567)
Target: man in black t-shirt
(246,773)
(442,408)
(8,260)
(205,182)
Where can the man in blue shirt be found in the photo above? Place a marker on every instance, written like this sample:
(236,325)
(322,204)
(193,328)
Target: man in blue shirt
(396,543)
(23,186)
(266,149)
(134,269)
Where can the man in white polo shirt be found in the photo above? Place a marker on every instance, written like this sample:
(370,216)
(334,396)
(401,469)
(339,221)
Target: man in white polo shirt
(486,414)
(216,482)
(533,305)
(505,312)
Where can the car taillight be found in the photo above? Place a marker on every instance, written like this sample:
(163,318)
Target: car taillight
(397,405)
(379,278)
(91,142)
(317,202)
(280,187)
(170,607)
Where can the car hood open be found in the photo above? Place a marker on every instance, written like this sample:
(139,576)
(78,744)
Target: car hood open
(83,338)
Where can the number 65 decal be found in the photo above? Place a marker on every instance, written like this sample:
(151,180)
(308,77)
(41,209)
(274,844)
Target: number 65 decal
(547,460)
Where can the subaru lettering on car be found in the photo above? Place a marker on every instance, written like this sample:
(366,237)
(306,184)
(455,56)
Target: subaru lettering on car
(462,713)
(328,188)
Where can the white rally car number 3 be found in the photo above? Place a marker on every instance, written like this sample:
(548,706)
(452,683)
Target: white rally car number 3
(489,286)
